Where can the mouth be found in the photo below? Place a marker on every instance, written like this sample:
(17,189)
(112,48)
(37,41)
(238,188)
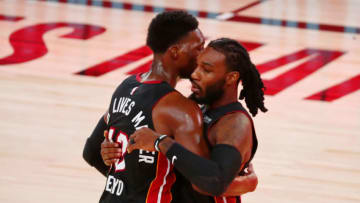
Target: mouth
(195,88)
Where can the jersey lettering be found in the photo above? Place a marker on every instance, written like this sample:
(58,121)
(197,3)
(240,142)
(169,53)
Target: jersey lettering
(145,157)
(145,175)
(123,140)
(138,118)
(123,105)
(114,185)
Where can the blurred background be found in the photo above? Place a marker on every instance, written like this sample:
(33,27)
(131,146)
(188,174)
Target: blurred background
(61,60)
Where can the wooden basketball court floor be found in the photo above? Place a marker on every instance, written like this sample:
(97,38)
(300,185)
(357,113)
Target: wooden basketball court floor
(61,60)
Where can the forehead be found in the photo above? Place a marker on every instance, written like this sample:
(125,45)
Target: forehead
(211,56)
(195,37)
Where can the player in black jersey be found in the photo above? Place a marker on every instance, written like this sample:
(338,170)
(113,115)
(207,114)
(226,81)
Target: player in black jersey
(228,128)
(150,100)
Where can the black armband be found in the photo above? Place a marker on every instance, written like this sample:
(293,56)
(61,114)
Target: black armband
(92,148)
(211,176)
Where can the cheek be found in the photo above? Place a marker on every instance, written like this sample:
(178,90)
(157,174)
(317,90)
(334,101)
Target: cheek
(191,62)
(207,80)
(187,58)
(192,54)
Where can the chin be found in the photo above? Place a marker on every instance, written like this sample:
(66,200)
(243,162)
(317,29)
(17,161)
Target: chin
(196,98)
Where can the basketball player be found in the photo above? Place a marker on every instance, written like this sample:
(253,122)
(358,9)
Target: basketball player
(228,128)
(150,100)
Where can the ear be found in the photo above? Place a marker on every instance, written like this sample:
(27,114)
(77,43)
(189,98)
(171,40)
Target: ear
(174,52)
(232,77)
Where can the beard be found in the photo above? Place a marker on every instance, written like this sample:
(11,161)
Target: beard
(212,93)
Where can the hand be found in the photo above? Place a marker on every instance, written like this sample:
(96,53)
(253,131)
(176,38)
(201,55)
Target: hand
(143,138)
(251,177)
(250,170)
(110,151)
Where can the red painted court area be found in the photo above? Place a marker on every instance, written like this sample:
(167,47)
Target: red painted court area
(61,60)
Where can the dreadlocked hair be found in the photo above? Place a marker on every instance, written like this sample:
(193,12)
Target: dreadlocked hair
(238,59)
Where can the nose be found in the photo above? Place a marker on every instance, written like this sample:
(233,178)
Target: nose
(195,75)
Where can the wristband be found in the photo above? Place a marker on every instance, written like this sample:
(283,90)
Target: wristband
(157,142)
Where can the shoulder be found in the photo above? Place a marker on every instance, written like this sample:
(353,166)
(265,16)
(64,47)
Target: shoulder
(176,110)
(129,79)
(176,102)
(233,128)
(181,118)
(124,84)
(237,118)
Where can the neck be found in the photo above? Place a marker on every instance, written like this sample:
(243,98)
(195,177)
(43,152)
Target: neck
(227,98)
(160,70)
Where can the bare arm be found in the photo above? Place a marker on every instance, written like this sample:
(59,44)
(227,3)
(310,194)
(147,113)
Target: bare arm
(212,176)
(236,130)
(173,115)
(243,184)
(181,119)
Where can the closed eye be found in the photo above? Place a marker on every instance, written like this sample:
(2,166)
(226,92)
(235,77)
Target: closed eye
(206,70)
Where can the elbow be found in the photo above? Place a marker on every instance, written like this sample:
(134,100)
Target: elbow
(88,153)
(253,182)
(86,156)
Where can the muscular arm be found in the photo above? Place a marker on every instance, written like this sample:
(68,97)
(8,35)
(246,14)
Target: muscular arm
(236,130)
(181,119)
(175,116)
(211,176)
(243,184)
(91,152)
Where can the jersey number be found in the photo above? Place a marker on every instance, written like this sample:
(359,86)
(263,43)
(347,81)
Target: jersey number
(122,139)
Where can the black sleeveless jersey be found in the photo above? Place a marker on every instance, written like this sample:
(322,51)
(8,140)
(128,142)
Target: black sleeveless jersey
(141,176)
(210,117)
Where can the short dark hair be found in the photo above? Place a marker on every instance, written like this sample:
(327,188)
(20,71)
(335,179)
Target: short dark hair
(238,59)
(169,27)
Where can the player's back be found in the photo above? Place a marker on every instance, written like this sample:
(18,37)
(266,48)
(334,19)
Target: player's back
(140,176)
